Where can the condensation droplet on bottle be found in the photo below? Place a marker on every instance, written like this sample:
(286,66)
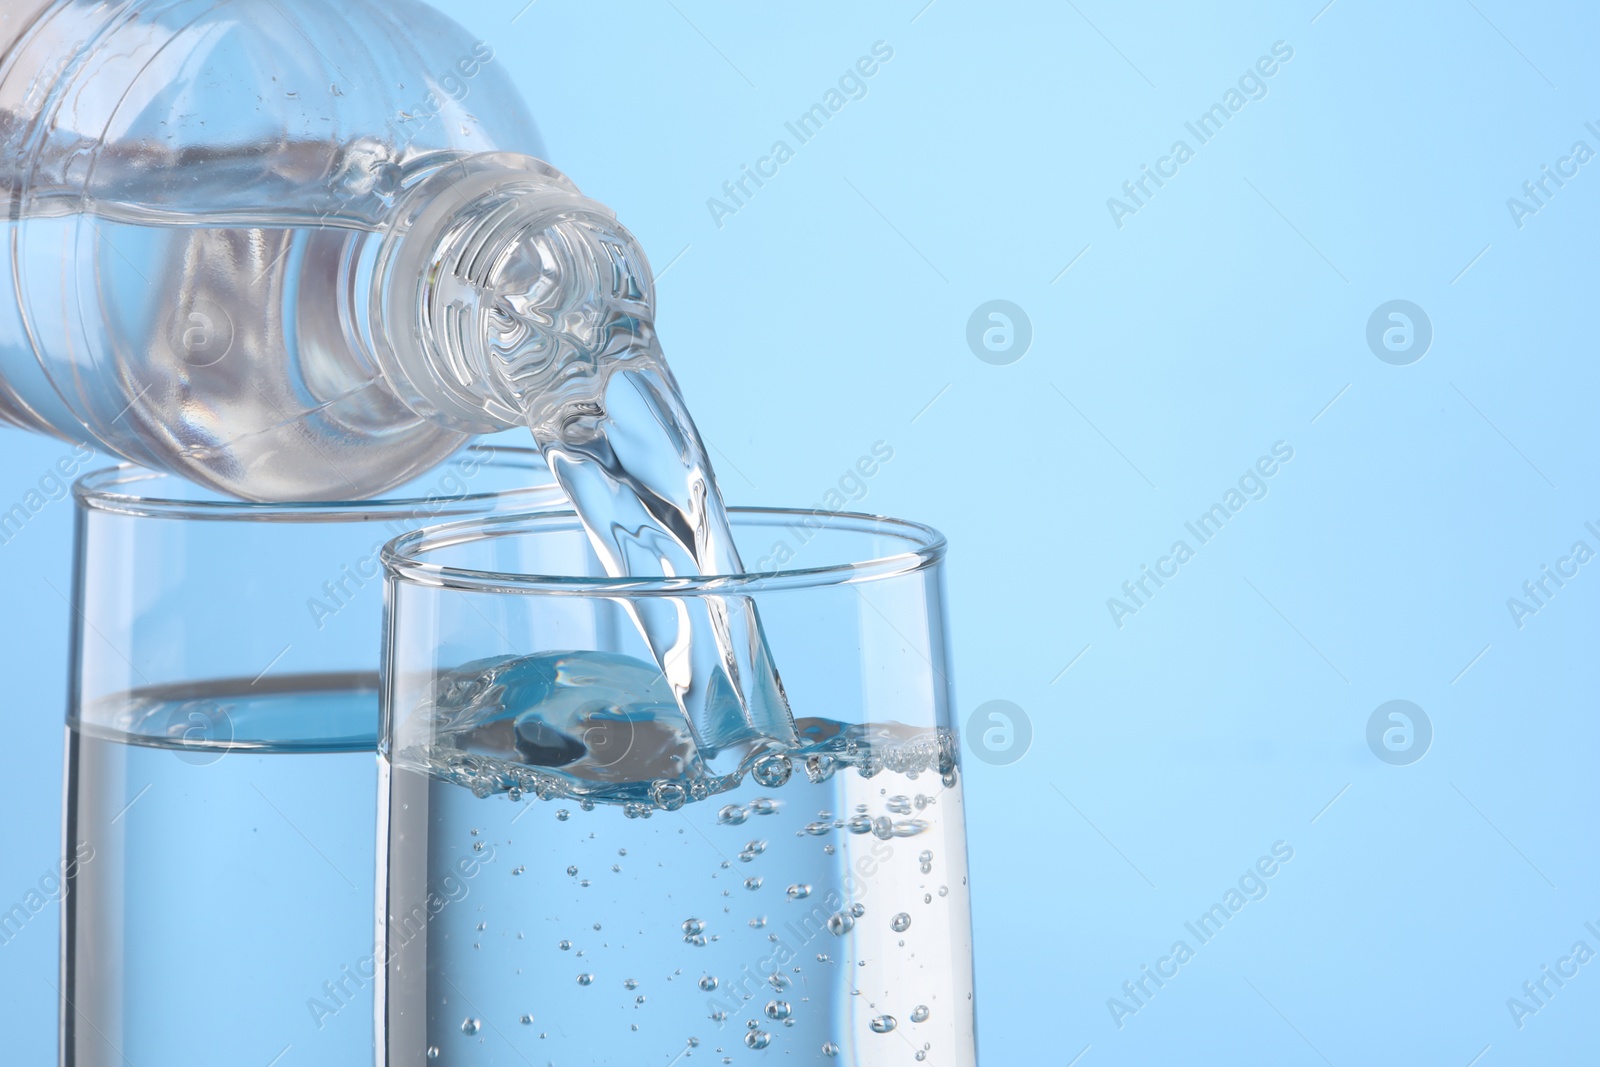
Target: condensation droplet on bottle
(882,1024)
(900,923)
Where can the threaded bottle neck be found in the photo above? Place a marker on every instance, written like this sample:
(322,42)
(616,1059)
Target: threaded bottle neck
(500,292)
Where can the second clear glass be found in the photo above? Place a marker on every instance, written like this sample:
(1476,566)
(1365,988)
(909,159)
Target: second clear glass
(220,794)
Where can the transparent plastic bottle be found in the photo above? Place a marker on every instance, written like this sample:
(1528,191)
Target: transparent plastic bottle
(261,243)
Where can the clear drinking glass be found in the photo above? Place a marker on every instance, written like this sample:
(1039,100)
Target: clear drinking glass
(563,879)
(221,791)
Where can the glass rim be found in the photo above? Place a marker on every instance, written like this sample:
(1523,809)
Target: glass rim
(925,546)
(108,489)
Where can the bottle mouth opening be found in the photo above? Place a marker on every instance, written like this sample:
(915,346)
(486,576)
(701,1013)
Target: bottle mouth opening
(794,548)
(482,473)
(494,281)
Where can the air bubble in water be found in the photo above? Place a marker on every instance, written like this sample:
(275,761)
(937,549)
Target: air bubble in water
(563,815)
(527,1020)
(758,922)
(857,910)
(859,824)
(586,979)
(518,870)
(669,796)
(572,872)
(707,984)
(840,923)
(732,815)
(692,927)
(753,884)
(778,1009)
(773,771)
(630,983)
(900,923)
(830,1050)
(919,1014)
(799,892)
(758,1039)
(900,805)
(470,1026)
(882,1024)
(882,828)
(763,806)
(818,829)
(433,1052)
(944,891)
(564,946)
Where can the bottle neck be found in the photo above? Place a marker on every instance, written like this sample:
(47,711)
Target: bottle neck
(500,293)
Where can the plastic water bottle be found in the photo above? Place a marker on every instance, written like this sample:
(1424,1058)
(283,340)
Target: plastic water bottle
(280,247)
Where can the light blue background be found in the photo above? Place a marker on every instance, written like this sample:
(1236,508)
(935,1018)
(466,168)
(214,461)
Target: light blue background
(1229,313)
